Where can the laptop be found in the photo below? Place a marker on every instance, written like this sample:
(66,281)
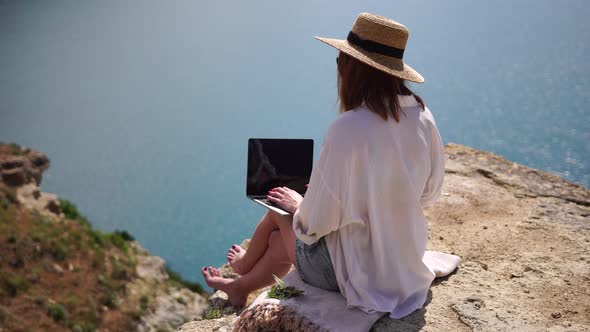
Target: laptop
(277,163)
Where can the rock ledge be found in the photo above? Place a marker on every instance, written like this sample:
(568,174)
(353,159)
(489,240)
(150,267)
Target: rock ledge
(523,236)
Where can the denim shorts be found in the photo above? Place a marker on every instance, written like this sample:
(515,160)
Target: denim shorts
(314,265)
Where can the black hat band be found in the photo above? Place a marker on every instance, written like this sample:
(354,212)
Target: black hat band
(374,47)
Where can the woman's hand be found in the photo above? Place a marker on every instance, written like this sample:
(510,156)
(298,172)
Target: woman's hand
(286,198)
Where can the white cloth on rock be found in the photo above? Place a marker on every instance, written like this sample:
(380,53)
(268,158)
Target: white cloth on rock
(329,310)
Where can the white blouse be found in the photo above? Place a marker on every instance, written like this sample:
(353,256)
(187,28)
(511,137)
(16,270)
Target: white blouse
(365,195)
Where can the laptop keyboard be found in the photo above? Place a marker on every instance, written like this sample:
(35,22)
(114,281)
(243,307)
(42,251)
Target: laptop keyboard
(266,201)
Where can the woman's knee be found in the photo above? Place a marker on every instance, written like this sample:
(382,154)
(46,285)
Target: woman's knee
(269,220)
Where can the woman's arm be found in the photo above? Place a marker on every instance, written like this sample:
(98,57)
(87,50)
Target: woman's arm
(320,212)
(433,189)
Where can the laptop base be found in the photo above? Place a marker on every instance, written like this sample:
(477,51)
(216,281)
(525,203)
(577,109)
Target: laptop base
(270,207)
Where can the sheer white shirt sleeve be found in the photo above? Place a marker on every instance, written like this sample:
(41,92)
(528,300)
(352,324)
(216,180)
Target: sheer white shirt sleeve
(433,189)
(321,211)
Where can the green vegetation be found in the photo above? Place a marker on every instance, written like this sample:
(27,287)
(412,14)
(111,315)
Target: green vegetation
(33,240)
(72,303)
(7,203)
(11,238)
(98,260)
(110,289)
(59,249)
(36,273)
(105,240)
(119,272)
(110,299)
(212,312)
(144,302)
(70,210)
(177,279)
(8,197)
(118,238)
(12,284)
(99,239)
(281,291)
(87,314)
(124,235)
(56,312)
(83,327)
(97,267)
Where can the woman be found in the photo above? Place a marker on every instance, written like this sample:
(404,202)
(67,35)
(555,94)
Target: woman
(360,229)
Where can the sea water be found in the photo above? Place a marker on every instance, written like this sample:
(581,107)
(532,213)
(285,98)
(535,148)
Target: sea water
(145,107)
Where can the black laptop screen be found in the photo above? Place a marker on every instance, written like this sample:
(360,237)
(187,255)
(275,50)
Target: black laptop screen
(278,163)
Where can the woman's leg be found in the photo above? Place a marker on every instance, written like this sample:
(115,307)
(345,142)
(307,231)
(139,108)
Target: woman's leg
(285,224)
(242,260)
(277,260)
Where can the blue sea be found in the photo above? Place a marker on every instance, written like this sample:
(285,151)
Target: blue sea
(145,107)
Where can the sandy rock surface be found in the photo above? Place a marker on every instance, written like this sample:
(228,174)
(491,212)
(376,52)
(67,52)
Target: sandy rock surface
(524,239)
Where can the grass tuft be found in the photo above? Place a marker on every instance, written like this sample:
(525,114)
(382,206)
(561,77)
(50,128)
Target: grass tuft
(124,235)
(280,291)
(12,284)
(212,312)
(69,209)
(117,240)
(56,312)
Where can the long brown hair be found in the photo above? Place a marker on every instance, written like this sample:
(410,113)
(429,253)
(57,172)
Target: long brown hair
(358,82)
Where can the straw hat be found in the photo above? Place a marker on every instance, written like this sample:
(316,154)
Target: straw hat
(378,42)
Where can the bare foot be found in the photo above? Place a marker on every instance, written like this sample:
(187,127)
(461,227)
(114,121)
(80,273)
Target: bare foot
(213,277)
(234,257)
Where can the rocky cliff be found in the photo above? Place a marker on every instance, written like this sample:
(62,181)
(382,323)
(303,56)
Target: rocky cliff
(59,273)
(523,236)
